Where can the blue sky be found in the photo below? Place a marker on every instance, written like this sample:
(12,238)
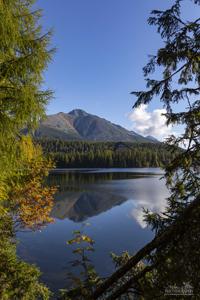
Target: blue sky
(102,46)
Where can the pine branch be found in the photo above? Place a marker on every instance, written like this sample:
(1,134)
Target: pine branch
(180,225)
(125,287)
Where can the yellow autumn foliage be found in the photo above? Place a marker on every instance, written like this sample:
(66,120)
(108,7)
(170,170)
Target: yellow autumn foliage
(22,184)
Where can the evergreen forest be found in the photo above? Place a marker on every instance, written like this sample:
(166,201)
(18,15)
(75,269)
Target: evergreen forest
(81,154)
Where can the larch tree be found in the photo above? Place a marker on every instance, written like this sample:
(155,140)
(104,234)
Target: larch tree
(24,55)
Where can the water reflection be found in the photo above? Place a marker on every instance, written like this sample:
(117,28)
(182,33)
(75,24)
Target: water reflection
(151,196)
(111,201)
(79,206)
(84,194)
(77,179)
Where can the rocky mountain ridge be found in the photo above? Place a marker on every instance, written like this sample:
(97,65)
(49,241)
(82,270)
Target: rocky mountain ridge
(80,125)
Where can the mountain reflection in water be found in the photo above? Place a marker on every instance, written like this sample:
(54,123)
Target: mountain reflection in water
(79,206)
(111,201)
(83,194)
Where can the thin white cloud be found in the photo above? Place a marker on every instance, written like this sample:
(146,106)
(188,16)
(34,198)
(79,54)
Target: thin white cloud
(150,123)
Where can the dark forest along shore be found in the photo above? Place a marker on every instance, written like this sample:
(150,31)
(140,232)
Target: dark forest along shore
(111,201)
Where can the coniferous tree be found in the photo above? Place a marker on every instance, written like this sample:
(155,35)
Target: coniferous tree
(24,55)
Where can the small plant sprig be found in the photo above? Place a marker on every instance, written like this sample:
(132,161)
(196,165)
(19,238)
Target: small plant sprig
(86,282)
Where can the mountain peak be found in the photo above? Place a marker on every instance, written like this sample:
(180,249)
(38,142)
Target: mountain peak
(80,125)
(78,112)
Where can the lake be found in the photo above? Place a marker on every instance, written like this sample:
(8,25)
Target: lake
(111,201)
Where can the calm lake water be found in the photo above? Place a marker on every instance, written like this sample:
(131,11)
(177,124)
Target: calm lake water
(111,200)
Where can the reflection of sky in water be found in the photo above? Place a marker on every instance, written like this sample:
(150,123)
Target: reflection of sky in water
(150,197)
(114,210)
